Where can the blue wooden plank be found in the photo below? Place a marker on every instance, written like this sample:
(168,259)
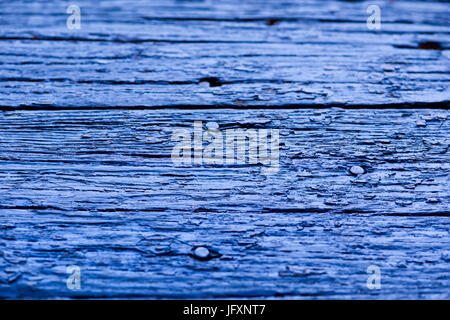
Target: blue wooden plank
(99,190)
(87,178)
(156,54)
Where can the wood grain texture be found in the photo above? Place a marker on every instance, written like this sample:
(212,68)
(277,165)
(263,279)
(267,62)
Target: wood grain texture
(156,53)
(99,190)
(86,177)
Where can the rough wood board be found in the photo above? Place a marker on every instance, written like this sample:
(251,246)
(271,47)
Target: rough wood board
(96,187)
(99,190)
(155,53)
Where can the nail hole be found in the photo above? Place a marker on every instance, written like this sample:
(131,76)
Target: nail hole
(430,45)
(213,81)
(272,22)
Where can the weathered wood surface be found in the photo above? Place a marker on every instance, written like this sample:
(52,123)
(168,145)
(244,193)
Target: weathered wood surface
(155,53)
(99,190)
(87,180)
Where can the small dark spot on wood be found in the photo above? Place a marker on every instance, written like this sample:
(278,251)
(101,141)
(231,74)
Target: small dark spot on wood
(430,45)
(213,81)
(272,22)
